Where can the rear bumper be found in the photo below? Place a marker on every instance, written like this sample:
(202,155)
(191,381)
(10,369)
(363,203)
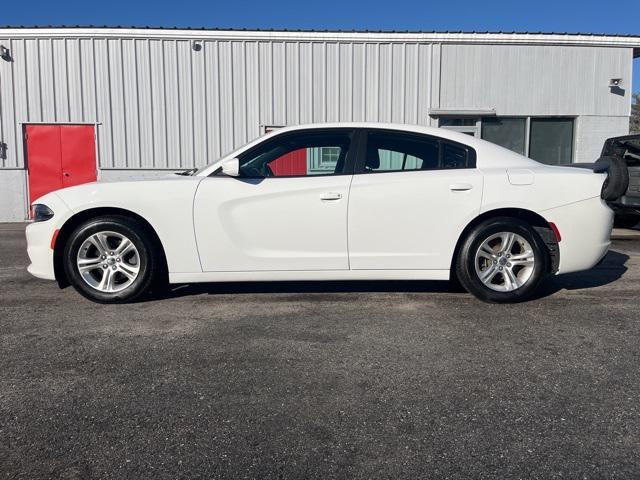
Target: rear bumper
(585,228)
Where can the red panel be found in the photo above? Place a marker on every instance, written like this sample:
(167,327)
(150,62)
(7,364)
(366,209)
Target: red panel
(43,160)
(78,149)
(59,156)
(291,164)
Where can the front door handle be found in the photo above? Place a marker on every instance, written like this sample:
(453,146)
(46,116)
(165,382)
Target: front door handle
(460,187)
(331,196)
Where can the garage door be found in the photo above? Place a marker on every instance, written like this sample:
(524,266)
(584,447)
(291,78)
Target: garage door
(59,156)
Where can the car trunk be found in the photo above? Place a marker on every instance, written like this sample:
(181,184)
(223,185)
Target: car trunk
(627,148)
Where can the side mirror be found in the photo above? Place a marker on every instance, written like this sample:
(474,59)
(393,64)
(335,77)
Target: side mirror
(231,167)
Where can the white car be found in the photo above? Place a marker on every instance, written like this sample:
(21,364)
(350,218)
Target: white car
(344,201)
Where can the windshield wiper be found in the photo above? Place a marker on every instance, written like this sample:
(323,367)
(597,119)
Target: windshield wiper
(187,173)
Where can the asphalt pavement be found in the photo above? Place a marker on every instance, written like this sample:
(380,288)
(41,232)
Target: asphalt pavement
(322,380)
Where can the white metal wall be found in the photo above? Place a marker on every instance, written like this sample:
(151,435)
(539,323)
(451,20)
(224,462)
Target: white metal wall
(159,104)
(536,80)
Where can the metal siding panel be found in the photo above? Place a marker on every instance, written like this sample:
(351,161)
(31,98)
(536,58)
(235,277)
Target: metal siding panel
(103,104)
(74,90)
(253,90)
(198,82)
(385,91)
(306,82)
(319,92)
(533,80)
(145,110)
(239,117)
(333,80)
(131,103)
(47,81)
(358,85)
(158,100)
(292,80)
(345,82)
(397,87)
(20,102)
(266,83)
(117,104)
(32,73)
(10,138)
(225,77)
(424,85)
(372,78)
(183,65)
(87,80)
(213,99)
(60,80)
(172,104)
(279,80)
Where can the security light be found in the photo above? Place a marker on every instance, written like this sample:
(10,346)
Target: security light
(615,82)
(5,54)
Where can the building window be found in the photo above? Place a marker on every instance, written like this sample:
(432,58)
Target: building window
(507,132)
(547,140)
(329,155)
(551,140)
(457,122)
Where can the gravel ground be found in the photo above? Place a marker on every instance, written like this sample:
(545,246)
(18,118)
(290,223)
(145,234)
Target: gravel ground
(321,380)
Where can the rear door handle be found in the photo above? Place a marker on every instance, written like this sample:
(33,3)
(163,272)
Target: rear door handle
(460,187)
(331,196)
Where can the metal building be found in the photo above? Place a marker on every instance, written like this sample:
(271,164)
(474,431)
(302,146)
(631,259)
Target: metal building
(83,103)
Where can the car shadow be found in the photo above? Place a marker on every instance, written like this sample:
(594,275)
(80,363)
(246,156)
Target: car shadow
(609,270)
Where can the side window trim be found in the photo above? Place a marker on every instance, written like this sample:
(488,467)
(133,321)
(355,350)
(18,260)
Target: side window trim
(350,159)
(362,151)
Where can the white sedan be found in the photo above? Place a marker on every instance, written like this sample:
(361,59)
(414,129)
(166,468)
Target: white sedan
(330,202)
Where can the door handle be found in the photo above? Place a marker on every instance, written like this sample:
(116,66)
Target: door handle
(65,174)
(331,196)
(460,187)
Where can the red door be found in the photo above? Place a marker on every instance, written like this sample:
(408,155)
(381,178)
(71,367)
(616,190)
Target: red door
(59,156)
(292,164)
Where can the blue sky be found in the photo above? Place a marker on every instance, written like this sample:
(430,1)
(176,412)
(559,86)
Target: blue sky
(536,15)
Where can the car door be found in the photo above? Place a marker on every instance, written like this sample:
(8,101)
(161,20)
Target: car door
(286,211)
(411,197)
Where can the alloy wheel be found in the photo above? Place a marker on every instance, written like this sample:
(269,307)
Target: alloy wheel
(504,261)
(108,261)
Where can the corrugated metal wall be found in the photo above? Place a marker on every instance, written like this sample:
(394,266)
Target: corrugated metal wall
(160,104)
(536,80)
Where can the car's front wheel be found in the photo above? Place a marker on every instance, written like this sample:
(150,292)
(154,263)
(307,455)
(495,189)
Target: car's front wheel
(502,260)
(110,259)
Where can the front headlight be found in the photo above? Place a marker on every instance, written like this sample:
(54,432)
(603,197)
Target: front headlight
(40,212)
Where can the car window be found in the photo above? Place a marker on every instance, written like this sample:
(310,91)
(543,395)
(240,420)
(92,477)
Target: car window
(389,152)
(298,154)
(397,151)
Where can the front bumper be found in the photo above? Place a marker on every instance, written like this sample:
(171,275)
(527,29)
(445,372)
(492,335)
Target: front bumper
(40,234)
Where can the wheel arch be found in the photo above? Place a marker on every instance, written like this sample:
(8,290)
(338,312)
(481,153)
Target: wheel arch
(74,221)
(539,224)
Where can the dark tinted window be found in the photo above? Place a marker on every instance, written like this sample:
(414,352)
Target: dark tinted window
(392,152)
(551,140)
(506,132)
(298,154)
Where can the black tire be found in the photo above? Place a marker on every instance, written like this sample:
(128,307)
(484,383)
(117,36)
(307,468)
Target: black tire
(148,261)
(465,269)
(626,220)
(617,182)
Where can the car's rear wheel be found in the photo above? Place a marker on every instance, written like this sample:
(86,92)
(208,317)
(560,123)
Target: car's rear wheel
(502,260)
(110,259)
